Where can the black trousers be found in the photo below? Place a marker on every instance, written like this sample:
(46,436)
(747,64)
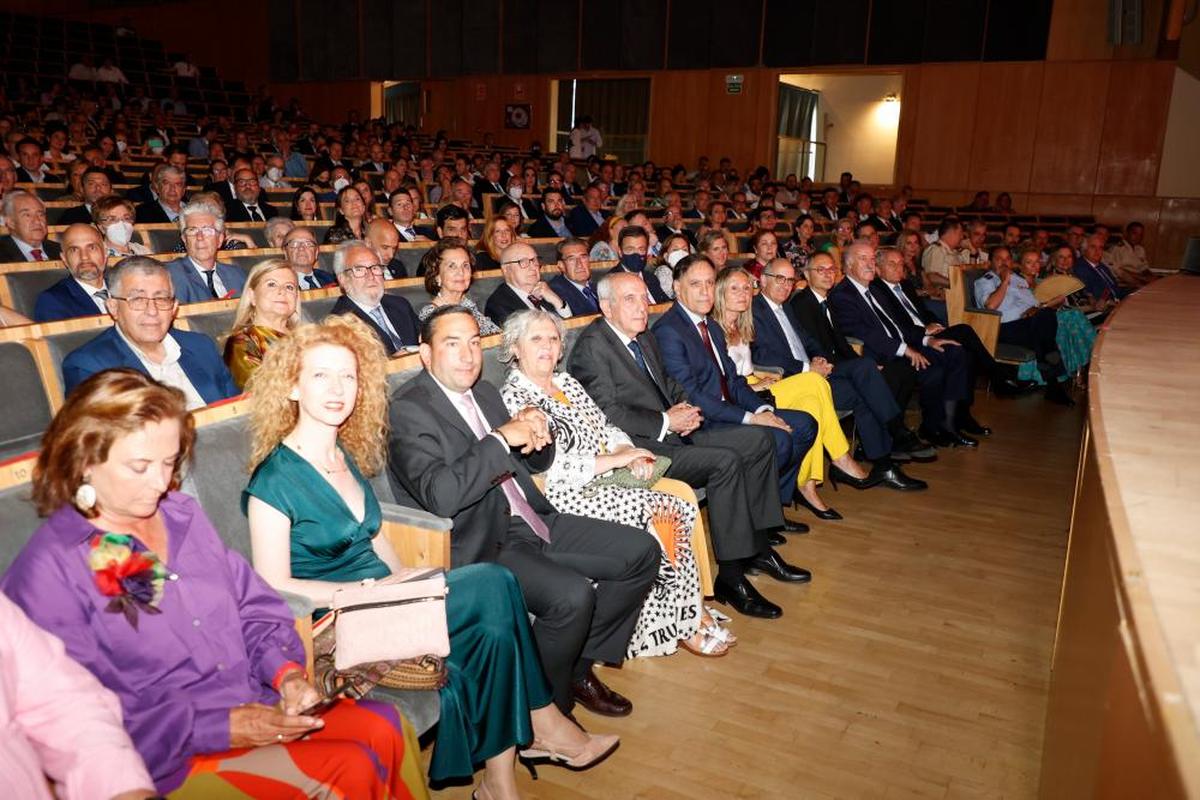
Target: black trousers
(574,619)
(979,360)
(858,385)
(1037,332)
(735,465)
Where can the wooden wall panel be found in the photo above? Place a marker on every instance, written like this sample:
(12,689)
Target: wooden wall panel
(1079,31)
(742,126)
(472,106)
(1080,204)
(1120,211)
(1139,96)
(1005,125)
(942,148)
(327,101)
(906,131)
(1179,219)
(1069,126)
(678,98)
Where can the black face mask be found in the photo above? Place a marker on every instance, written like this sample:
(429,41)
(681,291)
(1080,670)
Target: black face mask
(634,262)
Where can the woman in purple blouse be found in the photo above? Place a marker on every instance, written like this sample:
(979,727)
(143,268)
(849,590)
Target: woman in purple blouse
(203,655)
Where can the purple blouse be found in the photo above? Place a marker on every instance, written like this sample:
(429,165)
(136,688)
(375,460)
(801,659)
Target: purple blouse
(221,639)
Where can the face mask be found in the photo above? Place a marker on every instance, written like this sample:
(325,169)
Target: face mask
(515,192)
(675,256)
(119,233)
(274,173)
(339,184)
(155,145)
(634,262)
(121,145)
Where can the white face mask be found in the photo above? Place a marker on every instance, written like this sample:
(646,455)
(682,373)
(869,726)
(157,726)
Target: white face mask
(121,145)
(119,233)
(339,184)
(675,256)
(515,192)
(274,173)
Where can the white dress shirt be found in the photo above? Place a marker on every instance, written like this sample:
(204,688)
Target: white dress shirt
(169,370)
(217,282)
(789,333)
(92,292)
(625,340)
(869,300)
(564,311)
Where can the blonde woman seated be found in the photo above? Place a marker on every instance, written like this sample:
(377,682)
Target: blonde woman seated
(447,267)
(806,391)
(497,235)
(587,447)
(319,423)
(267,312)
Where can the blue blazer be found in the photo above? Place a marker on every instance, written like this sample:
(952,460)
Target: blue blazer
(64,300)
(1094,279)
(324,277)
(190,287)
(854,317)
(580,222)
(198,356)
(687,362)
(770,345)
(578,302)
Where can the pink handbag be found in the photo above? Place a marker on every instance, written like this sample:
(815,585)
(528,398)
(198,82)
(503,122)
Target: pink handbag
(399,617)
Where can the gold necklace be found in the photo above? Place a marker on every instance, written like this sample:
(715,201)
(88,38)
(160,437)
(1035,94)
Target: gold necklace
(295,446)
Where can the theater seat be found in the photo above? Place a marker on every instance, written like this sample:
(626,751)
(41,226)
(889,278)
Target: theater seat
(27,410)
(25,286)
(20,521)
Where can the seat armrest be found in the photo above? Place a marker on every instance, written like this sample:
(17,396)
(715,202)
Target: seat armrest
(768,369)
(299,605)
(419,538)
(986,324)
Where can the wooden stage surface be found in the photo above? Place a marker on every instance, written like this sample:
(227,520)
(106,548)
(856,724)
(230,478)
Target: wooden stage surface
(915,665)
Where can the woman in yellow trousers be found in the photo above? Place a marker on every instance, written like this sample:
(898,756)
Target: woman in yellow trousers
(805,391)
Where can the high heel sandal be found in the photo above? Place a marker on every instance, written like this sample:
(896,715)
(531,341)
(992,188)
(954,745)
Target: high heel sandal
(715,642)
(827,514)
(599,747)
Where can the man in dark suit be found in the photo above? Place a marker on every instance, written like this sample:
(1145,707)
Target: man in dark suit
(489,184)
(170,185)
(829,206)
(696,356)
(300,250)
(903,304)
(361,276)
(523,286)
(781,341)
(618,361)
(95,184)
(941,369)
(634,244)
(25,215)
(551,224)
(247,205)
(1098,279)
(31,163)
(586,217)
(574,283)
(82,293)
(142,304)
(456,452)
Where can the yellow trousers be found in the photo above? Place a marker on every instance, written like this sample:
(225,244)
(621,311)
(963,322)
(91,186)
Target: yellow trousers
(809,392)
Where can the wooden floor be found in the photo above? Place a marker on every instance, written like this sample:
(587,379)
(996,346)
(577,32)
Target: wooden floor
(915,665)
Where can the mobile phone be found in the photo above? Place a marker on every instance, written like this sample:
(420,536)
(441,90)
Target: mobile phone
(321,706)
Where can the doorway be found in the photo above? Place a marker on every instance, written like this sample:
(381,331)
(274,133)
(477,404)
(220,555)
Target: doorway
(831,123)
(402,102)
(619,108)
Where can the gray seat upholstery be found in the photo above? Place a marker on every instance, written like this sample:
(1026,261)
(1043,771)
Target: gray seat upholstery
(60,345)
(316,309)
(22,423)
(26,286)
(1006,353)
(410,257)
(20,521)
(213,324)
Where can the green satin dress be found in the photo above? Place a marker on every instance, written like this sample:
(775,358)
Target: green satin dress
(495,676)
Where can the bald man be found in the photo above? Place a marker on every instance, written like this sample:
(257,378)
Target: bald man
(384,239)
(82,293)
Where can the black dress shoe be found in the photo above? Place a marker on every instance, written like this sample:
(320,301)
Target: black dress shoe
(959,439)
(911,448)
(1056,394)
(968,424)
(595,696)
(745,599)
(836,476)
(891,476)
(775,539)
(794,527)
(937,438)
(773,564)
(819,513)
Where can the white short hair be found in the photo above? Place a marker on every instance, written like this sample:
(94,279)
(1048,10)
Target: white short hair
(201,207)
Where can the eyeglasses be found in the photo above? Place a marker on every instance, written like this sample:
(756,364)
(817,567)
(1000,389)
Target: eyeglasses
(778,277)
(820,269)
(531,261)
(142,303)
(300,246)
(362,269)
(572,261)
(203,230)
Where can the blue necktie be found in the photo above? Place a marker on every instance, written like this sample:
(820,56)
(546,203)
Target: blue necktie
(638,357)
(590,294)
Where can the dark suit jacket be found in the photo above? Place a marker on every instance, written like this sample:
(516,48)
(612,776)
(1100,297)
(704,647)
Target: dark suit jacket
(437,463)
(770,345)
(923,313)
(807,309)
(854,317)
(651,281)
(632,400)
(9,251)
(398,311)
(483,186)
(236,212)
(150,212)
(74,215)
(580,221)
(687,362)
(23,176)
(504,301)
(663,232)
(64,300)
(1093,278)
(913,332)
(579,303)
(540,229)
(324,278)
(822,211)
(198,356)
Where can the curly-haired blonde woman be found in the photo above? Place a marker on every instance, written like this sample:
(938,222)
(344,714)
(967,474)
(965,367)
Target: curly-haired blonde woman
(268,310)
(319,421)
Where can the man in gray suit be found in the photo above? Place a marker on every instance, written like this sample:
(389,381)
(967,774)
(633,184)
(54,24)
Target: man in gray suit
(198,276)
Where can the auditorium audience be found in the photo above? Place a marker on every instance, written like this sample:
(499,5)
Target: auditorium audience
(1127,258)
(82,293)
(246,204)
(523,286)
(1075,335)
(634,246)
(267,311)
(403,214)
(552,223)
(584,218)
(95,184)
(300,251)
(360,275)
(198,276)
(27,237)
(350,218)
(588,450)
(940,257)
(168,185)
(305,206)
(497,235)
(210,711)
(604,243)
(574,282)
(452,221)
(1098,279)
(276,229)
(448,267)
(319,422)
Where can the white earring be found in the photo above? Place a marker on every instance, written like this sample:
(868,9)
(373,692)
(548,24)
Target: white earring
(85,496)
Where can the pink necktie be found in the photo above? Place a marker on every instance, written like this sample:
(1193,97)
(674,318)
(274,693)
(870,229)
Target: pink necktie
(516,500)
(37,254)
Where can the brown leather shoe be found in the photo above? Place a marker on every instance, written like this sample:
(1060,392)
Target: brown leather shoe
(595,696)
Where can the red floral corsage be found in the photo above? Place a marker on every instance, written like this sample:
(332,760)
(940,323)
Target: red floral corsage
(128,573)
